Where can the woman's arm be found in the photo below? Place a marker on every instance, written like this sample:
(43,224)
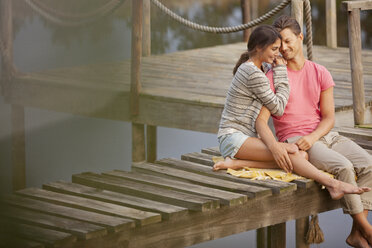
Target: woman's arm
(278,149)
(259,84)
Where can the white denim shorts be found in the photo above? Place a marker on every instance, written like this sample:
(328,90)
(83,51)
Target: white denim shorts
(231,143)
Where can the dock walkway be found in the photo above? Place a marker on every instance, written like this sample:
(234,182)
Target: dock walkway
(169,203)
(193,81)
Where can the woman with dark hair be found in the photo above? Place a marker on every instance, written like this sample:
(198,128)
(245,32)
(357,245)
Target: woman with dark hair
(248,99)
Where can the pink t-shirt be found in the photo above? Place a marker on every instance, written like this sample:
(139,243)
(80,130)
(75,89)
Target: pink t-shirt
(302,114)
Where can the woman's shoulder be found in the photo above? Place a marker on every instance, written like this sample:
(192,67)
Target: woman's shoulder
(249,69)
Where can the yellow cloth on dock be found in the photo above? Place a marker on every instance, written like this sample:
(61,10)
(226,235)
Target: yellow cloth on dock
(263,174)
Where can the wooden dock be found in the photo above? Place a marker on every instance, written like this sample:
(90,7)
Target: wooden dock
(170,203)
(194,81)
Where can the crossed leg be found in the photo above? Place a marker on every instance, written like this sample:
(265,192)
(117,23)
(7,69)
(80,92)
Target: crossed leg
(254,153)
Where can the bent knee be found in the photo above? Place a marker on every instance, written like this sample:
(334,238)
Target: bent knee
(304,155)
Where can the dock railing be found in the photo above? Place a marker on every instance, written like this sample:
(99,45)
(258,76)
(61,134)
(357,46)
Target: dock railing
(355,46)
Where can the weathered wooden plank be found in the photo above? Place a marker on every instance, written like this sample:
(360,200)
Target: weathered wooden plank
(45,236)
(277,187)
(166,210)
(165,112)
(196,178)
(192,202)
(355,133)
(362,5)
(80,229)
(197,157)
(222,222)
(225,197)
(363,143)
(141,218)
(170,82)
(215,151)
(114,224)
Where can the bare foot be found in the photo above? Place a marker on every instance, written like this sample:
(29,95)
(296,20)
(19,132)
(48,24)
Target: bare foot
(367,235)
(338,189)
(356,239)
(223,165)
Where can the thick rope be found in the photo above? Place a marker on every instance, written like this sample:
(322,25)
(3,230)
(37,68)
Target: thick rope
(65,19)
(219,30)
(309,30)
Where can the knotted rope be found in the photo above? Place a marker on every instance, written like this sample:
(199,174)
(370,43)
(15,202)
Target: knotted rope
(255,22)
(220,30)
(309,29)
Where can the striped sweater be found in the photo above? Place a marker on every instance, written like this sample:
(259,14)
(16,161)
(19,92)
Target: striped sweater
(249,91)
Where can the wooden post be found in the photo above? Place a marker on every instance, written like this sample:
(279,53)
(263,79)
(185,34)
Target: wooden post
(151,137)
(331,23)
(137,9)
(254,9)
(262,237)
(302,225)
(297,11)
(17,112)
(246,14)
(146,28)
(138,142)
(18,147)
(355,47)
(276,236)
(138,130)
(6,46)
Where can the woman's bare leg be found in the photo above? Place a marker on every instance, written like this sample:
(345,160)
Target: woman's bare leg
(254,154)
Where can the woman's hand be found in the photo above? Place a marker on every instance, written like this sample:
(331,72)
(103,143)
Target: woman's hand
(290,147)
(281,157)
(279,61)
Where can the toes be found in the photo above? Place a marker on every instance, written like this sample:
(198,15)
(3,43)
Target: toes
(366,189)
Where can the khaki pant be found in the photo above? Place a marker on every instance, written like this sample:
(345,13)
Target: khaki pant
(344,159)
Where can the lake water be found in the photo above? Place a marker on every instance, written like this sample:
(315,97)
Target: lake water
(61,144)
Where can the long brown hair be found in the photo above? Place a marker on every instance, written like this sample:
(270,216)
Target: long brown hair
(261,37)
